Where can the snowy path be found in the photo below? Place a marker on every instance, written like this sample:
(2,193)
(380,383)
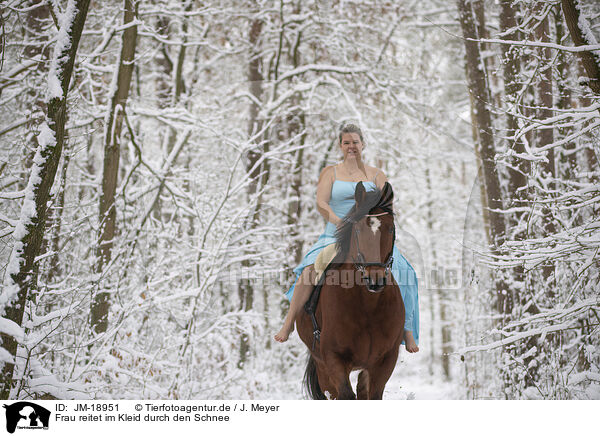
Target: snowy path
(410,380)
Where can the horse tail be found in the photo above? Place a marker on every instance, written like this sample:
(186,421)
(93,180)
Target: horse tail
(311,381)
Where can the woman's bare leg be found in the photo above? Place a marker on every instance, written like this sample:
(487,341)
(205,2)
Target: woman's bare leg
(302,290)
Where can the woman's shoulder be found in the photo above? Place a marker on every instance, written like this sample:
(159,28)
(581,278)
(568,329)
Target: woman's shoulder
(327,173)
(372,171)
(377,175)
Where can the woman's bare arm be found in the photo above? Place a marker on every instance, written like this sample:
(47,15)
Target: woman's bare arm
(324,195)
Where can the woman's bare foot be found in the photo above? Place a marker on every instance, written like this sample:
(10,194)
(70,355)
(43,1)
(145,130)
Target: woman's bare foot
(284,333)
(409,342)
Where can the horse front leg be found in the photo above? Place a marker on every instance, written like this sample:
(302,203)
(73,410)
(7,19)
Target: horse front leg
(380,373)
(339,376)
(362,387)
(327,387)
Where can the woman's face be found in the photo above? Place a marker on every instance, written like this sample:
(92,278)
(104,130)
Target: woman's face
(351,146)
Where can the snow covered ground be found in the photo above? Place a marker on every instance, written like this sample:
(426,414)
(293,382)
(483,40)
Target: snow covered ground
(411,379)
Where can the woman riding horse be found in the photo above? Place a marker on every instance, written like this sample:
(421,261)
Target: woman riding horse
(335,198)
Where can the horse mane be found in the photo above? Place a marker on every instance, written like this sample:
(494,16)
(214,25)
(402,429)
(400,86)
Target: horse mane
(373,199)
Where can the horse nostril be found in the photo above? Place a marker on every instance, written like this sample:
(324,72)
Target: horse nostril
(375,282)
(375,288)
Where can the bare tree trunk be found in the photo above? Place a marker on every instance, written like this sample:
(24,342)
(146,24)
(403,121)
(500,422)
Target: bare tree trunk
(20,282)
(178,88)
(589,60)
(179,85)
(589,155)
(296,125)
(442,295)
(163,87)
(546,135)
(492,79)
(295,205)
(245,289)
(480,98)
(485,150)
(55,220)
(112,142)
(520,168)
(568,156)
(36,46)
(517,168)
(37,39)
(485,212)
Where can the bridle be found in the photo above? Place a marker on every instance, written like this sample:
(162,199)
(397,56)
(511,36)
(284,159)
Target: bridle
(359,262)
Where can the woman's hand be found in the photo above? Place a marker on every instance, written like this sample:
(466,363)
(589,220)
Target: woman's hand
(337,221)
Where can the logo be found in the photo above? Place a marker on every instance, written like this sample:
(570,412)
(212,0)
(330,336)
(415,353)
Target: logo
(26,415)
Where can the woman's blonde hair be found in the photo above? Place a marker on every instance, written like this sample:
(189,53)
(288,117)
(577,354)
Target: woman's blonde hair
(351,128)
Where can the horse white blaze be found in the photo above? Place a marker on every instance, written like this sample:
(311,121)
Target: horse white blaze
(375,223)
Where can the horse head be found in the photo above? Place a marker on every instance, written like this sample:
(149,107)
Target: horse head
(366,237)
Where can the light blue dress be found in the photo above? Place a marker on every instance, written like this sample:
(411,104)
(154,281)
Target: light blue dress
(341,201)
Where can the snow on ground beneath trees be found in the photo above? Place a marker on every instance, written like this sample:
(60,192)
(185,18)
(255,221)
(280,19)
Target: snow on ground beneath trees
(410,380)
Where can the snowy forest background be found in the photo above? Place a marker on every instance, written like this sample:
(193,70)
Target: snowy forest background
(158,169)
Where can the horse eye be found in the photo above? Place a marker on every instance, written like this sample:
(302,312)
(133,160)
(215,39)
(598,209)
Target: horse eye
(391,230)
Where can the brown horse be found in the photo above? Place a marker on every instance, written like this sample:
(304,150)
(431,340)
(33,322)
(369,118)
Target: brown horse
(360,311)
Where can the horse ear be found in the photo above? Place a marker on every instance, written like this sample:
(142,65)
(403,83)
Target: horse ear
(387,195)
(360,193)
